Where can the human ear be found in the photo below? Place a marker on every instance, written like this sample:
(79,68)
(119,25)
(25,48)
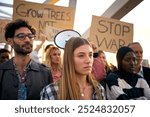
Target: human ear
(10,42)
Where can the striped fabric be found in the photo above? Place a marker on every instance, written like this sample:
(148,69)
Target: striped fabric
(119,89)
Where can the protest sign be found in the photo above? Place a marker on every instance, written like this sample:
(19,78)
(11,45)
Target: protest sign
(110,34)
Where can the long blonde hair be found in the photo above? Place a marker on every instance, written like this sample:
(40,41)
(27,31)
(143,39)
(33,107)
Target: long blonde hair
(48,60)
(68,88)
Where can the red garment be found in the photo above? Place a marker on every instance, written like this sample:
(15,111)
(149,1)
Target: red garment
(56,75)
(99,69)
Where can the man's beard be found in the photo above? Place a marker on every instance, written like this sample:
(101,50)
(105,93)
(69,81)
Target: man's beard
(23,49)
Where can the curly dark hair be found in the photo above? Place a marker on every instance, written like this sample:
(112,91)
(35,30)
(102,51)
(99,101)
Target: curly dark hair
(14,25)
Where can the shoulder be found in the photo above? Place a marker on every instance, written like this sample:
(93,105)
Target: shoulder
(112,79)
(112,76)
(7,65)
(101,90)
(38,66)
(43,65)
(146,69)
(52,87)
(99,86)
(49,92)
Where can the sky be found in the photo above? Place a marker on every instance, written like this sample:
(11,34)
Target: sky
(139,16)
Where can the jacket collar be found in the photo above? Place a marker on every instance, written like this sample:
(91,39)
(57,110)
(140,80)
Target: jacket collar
(10,66)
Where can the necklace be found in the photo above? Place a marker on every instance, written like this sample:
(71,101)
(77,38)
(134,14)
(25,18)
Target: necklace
(82,92)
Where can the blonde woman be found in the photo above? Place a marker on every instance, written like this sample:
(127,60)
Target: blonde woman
(53,61)
(77,82)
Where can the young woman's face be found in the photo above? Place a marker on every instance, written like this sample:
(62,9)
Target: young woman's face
(129,62)
(56,56)
(83,59)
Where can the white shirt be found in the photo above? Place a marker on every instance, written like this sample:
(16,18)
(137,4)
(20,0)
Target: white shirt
(34,56)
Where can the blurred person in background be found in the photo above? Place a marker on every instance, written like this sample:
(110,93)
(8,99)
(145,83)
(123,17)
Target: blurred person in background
(34,54)
(48,46)
(125,84)
(108,68)
(98,69)
(140,70)
(53,61)
(4,55)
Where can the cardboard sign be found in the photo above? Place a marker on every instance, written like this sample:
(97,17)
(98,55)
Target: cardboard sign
(110,34)
(3,23)
(42,15)
(51,32)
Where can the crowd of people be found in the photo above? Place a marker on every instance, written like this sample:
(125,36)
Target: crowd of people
(82,74)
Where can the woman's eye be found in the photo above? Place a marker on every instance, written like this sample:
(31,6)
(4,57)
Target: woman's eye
(81,56)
